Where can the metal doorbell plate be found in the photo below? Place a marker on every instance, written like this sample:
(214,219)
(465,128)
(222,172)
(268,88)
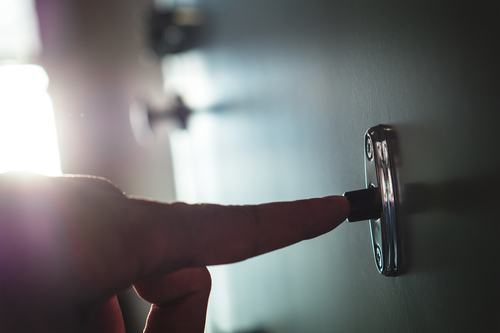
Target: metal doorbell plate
(380,170)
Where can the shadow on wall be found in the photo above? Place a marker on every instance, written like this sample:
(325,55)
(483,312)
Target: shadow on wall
(472,200)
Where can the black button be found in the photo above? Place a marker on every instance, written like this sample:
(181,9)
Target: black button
(365,204)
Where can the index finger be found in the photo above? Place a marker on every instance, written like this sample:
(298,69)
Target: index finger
(170,236)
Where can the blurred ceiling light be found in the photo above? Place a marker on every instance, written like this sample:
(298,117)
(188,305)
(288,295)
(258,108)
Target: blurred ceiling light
(28,139)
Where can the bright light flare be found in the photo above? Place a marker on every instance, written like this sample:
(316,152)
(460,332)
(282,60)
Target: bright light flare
(28,138)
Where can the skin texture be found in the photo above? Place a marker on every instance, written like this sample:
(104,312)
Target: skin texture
(69,244)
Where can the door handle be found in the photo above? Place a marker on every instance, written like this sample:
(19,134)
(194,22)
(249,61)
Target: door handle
(379,201)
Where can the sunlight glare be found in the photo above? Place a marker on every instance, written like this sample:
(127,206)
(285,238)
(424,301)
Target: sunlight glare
(28,138)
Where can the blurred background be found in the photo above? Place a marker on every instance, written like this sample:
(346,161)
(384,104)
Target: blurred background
(241,102)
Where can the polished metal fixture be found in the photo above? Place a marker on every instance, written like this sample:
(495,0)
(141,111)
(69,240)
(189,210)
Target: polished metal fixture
(379,202)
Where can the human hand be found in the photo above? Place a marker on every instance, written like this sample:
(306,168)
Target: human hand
(69,244)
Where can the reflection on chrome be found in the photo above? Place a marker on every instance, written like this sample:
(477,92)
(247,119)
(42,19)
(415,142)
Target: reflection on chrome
(380,172)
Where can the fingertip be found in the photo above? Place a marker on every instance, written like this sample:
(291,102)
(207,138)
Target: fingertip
(336,209)
(343,207)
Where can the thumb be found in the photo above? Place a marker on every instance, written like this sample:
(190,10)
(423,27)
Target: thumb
(179,301)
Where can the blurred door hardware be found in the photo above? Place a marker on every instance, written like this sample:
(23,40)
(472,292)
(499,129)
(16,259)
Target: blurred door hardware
(145,118)
(179,112)
(175,30)
(379,201)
